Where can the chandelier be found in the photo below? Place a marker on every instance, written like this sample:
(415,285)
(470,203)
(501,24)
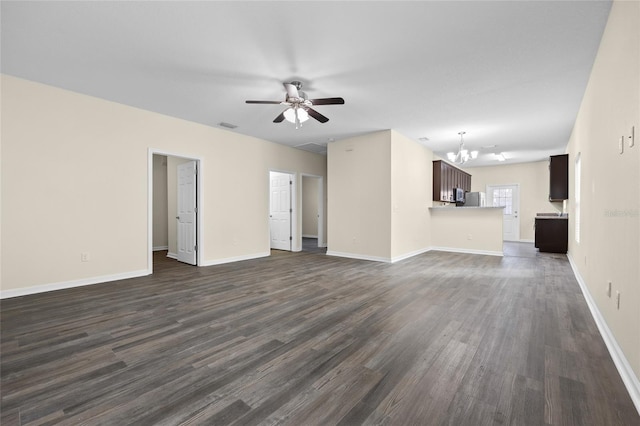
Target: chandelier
(463,155)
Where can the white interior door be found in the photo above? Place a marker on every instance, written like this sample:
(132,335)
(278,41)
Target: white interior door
(280,210)
(187,211)
(507,196)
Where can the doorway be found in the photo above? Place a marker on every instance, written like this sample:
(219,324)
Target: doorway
(312,214)
(190,236)
(507,196)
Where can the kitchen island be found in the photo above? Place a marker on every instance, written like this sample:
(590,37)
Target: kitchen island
(467,229)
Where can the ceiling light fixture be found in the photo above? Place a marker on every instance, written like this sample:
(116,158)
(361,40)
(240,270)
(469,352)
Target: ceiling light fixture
(463,154)
(296,115)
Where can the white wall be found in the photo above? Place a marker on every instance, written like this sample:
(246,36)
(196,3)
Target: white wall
(160,213)
(310,194)
(609,247)
(86,189)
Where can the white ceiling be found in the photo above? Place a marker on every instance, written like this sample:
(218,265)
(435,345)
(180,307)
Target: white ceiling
(510,74)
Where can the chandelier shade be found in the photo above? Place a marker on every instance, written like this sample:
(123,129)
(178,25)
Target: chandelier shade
(463,155)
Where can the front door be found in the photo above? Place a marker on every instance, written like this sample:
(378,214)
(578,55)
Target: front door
(280,210)
(507,196)
(187,211)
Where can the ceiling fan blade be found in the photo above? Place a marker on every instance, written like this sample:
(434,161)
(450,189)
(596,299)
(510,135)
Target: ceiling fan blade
(327,101)
(280,118)
(292,91)
(315,114)
(263,102)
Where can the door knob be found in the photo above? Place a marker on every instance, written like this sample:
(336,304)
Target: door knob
(178,217)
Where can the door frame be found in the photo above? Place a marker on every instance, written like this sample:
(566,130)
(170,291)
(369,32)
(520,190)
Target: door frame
(296,238)
(517,185)
(321,242)
(199,202)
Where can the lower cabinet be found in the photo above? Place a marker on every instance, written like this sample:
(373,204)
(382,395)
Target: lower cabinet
(552,235)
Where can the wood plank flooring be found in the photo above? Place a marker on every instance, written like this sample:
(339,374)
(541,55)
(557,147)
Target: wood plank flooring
(307,339)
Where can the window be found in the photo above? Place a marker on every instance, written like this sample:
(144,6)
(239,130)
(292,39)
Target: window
(578,173)
(503,197)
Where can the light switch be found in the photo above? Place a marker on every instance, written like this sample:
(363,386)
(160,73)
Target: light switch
(621,145)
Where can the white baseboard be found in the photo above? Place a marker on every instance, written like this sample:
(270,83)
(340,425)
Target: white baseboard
(468,251)
(627,374)
(411,254)
(358,256)
(527,241)
(309,236)
(161,248)
(236,258)
(172,255)
(414,253)
(6,294)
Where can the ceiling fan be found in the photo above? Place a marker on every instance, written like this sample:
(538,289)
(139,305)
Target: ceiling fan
(299,106)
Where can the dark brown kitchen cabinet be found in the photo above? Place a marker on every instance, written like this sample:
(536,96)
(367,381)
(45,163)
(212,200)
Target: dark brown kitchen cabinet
(445,178)
(559,177)
(552,235)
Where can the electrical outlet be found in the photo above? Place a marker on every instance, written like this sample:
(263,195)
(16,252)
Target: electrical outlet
(84,257)
(609,289)
(617,299)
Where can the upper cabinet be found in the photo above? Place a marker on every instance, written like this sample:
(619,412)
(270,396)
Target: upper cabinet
(445,178)
(559,177)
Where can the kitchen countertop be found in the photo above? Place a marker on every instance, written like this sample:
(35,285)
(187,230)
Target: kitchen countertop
(564,216)
(463,208)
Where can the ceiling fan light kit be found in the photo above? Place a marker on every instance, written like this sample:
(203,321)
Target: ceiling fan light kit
(463,155)
(299,106)
(296,114)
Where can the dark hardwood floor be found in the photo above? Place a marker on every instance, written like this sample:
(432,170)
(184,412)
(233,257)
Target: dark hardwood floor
(306,339)
(311,245)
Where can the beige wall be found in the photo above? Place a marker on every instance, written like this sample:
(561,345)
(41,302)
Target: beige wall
(609,248)
(86,189)
(411,188)
(359,194)
(160,212)
(379,197)
(533,179)
(310,193)
(467,229)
